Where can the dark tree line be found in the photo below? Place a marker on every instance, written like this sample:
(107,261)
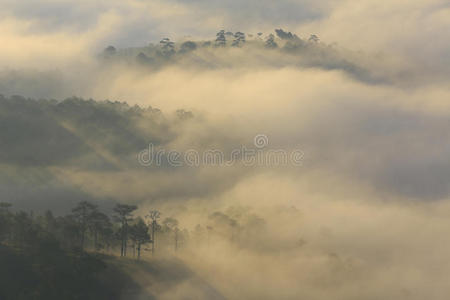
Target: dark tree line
(64,257)
(155,56)
(87,228)
(41,257)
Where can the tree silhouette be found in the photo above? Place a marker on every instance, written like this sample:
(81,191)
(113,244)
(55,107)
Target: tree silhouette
(123,215)
(314,38)
(99,225)
(284,35)
(143,59)
(170,225)
(83,213)
(4,207)
(188,46)
(153,215)
(5,221)
(110,51)
(139,234)
(167,46)
(270,42)
(239,39)
(221,40)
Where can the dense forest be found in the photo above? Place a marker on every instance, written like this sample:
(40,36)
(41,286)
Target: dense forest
(77,256)
(65,132)
(240,50)
(40,136)
(48,257)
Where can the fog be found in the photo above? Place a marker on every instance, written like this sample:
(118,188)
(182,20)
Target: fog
(365,214)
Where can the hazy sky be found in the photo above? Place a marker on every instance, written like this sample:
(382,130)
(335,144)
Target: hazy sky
(374,110)
(415,28)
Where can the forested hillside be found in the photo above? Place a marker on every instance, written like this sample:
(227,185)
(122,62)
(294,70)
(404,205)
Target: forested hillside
(238,51)
(76,131)
(41,138)
(76,256)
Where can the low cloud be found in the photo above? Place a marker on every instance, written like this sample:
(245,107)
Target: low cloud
(366,209)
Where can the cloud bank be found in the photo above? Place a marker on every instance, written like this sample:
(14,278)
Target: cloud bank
(367,104)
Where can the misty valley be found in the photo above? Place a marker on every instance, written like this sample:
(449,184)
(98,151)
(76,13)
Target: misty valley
(224,150)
